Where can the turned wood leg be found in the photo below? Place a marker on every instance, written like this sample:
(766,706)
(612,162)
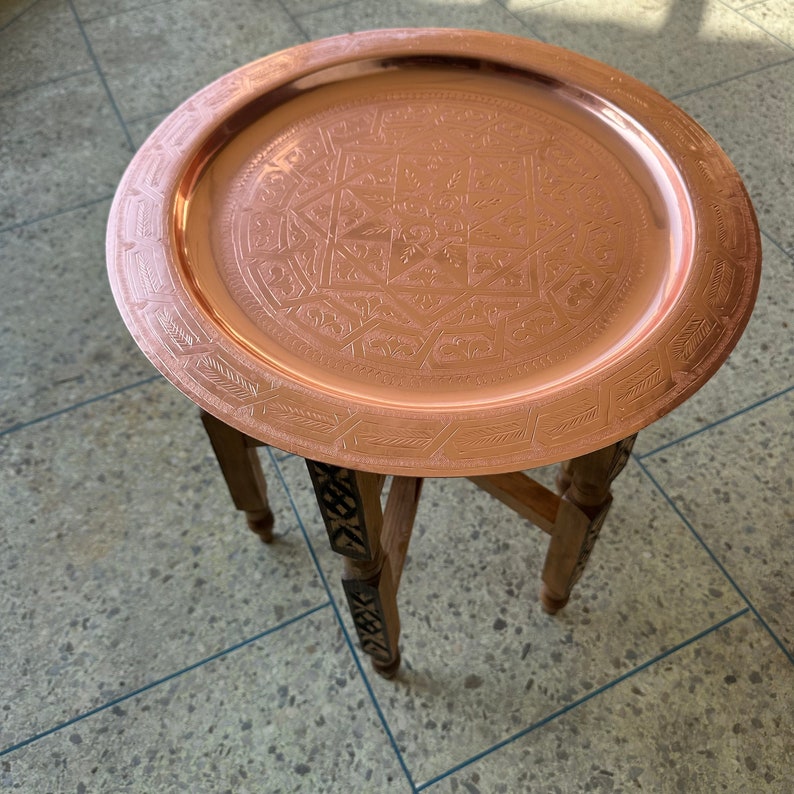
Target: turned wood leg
(585,484)
(349,502)
(239,462)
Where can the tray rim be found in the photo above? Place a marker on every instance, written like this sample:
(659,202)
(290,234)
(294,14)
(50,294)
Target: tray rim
(186,348)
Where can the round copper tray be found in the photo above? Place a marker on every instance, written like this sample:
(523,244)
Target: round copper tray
(449,252)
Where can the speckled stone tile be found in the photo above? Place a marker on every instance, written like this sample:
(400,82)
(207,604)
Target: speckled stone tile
(714,716)
(122,558)
(734,484)
(61,145)
(761,364)
(63,338)
(481,659)
(92,9)
(363,15)
(156,56)
(775,17)
(525,5)
(141,129)
(40,45)
(300,7)
(674,47)
(287,713)
(739,4)
(752,118)
(10,10)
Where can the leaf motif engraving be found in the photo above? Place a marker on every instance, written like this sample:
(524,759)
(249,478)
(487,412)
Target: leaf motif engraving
(155,172)
(720,284)
(452,182)
(226,378)
(569,419)
(179,136)
(640,383)
(492,436)
(695,331)
(304,417)
(407,439)
(178,335)
(143,221)
(412,179)
(377,228)
(150,278)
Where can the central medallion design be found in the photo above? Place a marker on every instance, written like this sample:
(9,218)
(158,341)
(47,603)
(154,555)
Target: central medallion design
(427,237)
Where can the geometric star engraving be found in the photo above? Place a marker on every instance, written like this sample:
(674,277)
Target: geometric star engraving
(412,239)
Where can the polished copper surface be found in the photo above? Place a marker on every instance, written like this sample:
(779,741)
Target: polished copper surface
(449,252)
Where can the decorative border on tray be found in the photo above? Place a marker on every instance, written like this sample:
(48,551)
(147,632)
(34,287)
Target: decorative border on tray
(704,325)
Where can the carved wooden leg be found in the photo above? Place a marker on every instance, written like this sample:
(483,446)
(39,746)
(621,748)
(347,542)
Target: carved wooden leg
(237,457)
(585,504)
(350,506)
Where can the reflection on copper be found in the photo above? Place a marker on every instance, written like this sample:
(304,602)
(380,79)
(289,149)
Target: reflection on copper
(450,251)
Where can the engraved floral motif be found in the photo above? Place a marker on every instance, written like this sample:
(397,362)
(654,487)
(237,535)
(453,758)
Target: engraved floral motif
(418,203)
(722,269)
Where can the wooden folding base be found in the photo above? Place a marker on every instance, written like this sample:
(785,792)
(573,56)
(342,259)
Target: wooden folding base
(239,462)
(374,541)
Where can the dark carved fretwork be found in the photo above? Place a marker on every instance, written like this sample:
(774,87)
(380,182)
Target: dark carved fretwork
(340,504)
(367,611)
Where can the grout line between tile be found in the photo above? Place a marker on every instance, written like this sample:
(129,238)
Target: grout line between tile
(52,81)
(534,7)
(130,9)
(49,215)
(789,655)
(20,14)
(340,621)
(788,254)
(714,424)
(740,12)
(716,83)
(101,75)
(165,679)
(285,8)
(147,116)
(76,406)
(584,699)
(522,17)
(523,24)
(329,7)
(749,4)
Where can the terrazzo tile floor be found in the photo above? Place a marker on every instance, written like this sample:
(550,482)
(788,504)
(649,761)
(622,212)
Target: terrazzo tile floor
(150,643)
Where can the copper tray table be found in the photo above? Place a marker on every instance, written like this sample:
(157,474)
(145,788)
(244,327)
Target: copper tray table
(432,253)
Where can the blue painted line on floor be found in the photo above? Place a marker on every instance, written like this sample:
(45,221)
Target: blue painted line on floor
(48,215)
(101,75)
(164,680)
(768,236)
(580,701)
(725,80)
(17,16)
(76,406)
(717,562)
(340,621)
(717,423)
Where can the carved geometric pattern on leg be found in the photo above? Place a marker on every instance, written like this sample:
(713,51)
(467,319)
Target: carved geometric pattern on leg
(340,504)
(367,611)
